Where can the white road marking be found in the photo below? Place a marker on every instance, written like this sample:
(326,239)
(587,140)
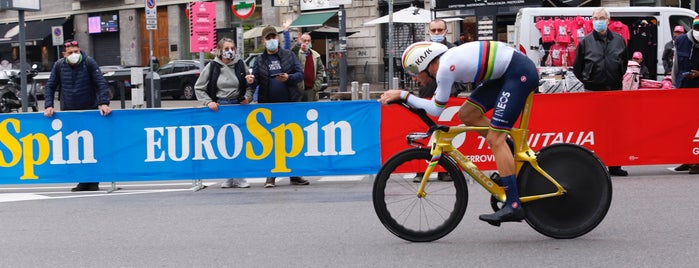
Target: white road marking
(21,197)
(43,192)
(342,178)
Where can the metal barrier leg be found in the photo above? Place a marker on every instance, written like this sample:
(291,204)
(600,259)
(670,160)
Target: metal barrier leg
(113,188)
(198,185)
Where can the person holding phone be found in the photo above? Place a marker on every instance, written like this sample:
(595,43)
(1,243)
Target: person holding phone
(277,72)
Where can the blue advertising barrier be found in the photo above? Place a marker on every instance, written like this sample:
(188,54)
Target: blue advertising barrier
(300,139)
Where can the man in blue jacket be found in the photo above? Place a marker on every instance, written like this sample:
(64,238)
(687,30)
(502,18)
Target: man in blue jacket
(277,72)
(81,86)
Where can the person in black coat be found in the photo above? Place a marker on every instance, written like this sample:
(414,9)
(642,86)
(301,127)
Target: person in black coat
(601,61)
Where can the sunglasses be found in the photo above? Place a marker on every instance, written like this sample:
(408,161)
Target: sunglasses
(411,70)
(70,44)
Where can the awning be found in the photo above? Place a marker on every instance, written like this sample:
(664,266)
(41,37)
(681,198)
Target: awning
(33,30)
(312,20)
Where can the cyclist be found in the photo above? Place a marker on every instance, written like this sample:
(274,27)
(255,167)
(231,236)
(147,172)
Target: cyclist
(504,77)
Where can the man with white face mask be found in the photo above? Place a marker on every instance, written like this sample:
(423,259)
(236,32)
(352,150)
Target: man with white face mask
(601,61)
(225,81)
(277,71)
(82,87)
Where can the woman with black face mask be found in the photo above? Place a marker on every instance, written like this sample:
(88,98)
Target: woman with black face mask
(225,81)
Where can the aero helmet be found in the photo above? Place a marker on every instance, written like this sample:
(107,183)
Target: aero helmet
(418,56)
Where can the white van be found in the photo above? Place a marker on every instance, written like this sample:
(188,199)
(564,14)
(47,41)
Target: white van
(649,40)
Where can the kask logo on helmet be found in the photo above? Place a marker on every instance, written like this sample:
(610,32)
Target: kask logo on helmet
(423,57)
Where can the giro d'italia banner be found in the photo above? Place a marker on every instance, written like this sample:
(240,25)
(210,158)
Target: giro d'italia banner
(637,127)
(321,138)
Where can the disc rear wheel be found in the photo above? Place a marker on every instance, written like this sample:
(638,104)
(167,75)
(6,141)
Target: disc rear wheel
(586,200)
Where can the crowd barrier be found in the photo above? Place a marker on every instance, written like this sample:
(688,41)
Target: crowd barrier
(323,138)
(307,139)
(640,127)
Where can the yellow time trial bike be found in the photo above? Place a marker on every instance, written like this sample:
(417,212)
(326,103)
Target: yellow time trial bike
(565,189)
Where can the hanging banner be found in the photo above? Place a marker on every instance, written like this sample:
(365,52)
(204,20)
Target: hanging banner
(202,24)
(299,139)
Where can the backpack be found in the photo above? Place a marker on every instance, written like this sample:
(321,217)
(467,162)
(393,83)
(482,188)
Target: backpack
(632,79)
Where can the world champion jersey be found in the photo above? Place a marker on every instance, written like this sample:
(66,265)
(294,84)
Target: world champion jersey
(475,62)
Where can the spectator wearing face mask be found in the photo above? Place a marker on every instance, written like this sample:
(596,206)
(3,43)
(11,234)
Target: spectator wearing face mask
(82,87)
(225,81)
(278,72)
(438,32)
(312,69)
(600,62)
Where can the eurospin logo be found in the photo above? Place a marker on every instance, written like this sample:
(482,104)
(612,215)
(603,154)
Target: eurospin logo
(22,149)
(182,143)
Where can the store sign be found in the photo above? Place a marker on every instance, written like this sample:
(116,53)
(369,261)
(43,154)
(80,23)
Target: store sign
(202,23)
(316,5)
(456,4)
(243,9)
(30,5)
(486,27)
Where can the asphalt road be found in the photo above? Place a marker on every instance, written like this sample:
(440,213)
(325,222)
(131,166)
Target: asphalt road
(330,223)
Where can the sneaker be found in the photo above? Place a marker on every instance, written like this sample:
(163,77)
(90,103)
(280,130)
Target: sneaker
(617,171)
(298,181)
(443,176)
(683,167)
(506,214)
(694,169)
(269,183)
(86,186)
(418,177)
(235,183)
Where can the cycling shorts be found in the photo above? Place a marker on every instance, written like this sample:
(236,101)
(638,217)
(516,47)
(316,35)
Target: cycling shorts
(507,94)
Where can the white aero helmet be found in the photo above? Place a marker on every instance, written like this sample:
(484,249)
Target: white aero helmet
(418,56)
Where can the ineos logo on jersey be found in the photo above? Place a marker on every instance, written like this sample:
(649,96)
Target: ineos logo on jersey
(502,104)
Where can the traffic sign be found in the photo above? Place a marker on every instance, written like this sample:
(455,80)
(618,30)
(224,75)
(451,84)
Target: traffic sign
(151,9)
(57,35)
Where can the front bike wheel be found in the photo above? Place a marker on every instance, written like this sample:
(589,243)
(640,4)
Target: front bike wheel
(413,218)
(586,200)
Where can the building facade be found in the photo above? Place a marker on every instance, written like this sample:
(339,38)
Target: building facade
(120,36)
